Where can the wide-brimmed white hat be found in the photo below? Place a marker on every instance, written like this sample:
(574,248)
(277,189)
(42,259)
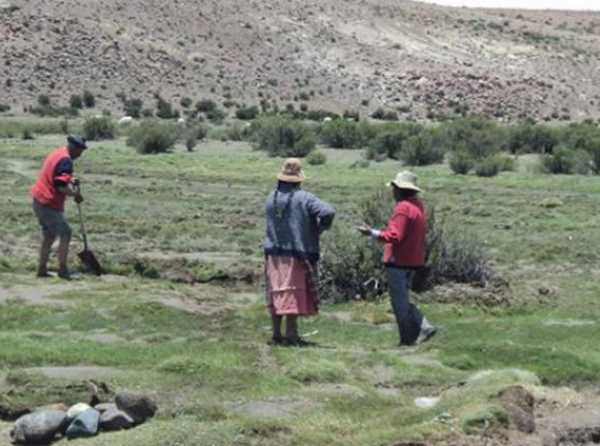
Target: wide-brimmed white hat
(405,180)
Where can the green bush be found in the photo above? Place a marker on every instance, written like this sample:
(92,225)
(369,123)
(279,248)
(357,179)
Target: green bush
(88,99)
(164,109)
(95,129)
(133,107)
(562,161)
(461,162)
(4,108)
(193,135)
(479,137)
(316,158)
(343,134)
(205,105)
(247,113)
(185,102)
(421,150)
(43,100)
(153,137)
(75,101)
(489,166)
(351,265)
(390,137)
(531,138)
(216,115)
(27,134)
(282,136)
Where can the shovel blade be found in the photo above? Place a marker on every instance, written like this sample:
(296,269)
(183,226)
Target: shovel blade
(89,260)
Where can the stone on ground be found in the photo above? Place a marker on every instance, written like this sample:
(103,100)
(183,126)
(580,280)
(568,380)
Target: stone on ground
(38,427)
(138,407)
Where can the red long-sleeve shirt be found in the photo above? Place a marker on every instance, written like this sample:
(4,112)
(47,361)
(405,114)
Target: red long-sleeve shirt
(404,236)
(57,171)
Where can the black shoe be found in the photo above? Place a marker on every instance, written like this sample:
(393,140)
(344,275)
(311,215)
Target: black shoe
(300,342)
(278,341)
(426,334)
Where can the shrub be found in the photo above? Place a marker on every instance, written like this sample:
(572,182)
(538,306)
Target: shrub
(316,158)
(88,99)
(489,166)
(247,113)
(530,138)
(216,115)
(164,109)
(133,107)
(351,266)
(479,137)
(193,135)
(153,137)
(27,134)
(594,152)
(281,136)
(205,105)
(43,100)
(461,162)
(342,134)
(421,150)
(4,108)
(562,161)
(75,101)
(390,138)
(95,129)
(185,102)
(352,114)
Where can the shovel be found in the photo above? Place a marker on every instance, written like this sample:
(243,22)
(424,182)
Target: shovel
(87,257)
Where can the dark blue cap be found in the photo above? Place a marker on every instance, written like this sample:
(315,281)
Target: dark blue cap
(76,141)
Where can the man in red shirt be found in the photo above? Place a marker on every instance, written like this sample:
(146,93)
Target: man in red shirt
(54,184)
(404,251)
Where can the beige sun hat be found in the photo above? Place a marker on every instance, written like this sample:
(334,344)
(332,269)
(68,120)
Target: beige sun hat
(291,171)
(405,180)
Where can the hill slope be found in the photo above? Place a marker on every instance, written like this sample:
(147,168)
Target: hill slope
(420,59)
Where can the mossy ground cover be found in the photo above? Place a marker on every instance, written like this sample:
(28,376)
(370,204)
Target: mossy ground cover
(201,349)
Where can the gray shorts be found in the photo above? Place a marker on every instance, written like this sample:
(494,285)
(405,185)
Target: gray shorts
(53,222)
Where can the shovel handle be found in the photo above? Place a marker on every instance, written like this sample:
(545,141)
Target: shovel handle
(81,225)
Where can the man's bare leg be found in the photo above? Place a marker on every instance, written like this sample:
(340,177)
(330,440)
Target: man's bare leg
(47,242)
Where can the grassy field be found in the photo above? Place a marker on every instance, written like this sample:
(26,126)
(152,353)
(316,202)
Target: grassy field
(201,349)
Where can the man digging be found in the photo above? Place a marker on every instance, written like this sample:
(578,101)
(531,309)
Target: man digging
(54,184)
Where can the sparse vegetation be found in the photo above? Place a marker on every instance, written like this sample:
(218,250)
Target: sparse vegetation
(98,128)
(280,136)
(316,158)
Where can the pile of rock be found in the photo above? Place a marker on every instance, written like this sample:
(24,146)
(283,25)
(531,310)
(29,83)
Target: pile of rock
(82,420)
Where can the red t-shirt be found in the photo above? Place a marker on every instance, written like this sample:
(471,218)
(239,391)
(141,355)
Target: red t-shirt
(57,171)
(404,236)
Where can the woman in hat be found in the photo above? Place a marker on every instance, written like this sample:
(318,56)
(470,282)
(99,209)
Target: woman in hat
(295,220)
(404,251)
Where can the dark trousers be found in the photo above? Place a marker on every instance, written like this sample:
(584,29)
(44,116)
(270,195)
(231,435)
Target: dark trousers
(408,316)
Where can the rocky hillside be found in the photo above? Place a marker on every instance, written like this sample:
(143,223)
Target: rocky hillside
(418,59)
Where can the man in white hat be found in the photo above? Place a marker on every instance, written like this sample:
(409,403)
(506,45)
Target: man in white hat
(403,253)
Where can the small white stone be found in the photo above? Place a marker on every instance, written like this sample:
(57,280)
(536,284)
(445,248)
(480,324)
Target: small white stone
(426,402)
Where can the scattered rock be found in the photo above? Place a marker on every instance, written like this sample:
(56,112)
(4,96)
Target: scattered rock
(39,427)
(103,407)
(519,404)
(426,402)
(113,419)
(138,407)
(84,425)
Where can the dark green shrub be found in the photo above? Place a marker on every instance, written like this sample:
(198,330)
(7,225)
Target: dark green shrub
(562,161)
(193,135)
(343,134)
(164,109)
(95,129)
(153,137)
(351,265)
(133,107)
(75,101)
(390,137)
(205,105)
(421,150)
(461,162)
(247,113)
(319,115)
(384,115)
(594,151)
(43,100)
(185,102)
(531,138)
(27,134)
(489,166)
(4,108)
(316,158)
(282,136)
(352,114)
(88,99)
(479,137)
(216,115)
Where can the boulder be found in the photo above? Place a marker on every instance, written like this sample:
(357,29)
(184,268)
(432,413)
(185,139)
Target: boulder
(76,409)
(85,425)
(103,407)
(519,404)
(138,407)
(39,427)
(114,419)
